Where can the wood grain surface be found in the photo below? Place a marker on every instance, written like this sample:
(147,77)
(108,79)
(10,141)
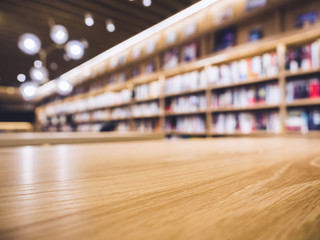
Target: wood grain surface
(227,188)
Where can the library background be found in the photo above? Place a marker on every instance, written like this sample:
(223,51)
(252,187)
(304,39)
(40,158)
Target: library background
(175,119)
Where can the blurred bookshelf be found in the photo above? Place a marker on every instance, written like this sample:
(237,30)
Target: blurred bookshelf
(235,68)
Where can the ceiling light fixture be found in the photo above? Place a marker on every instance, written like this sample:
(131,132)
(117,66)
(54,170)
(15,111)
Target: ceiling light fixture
(30,44)
(74,49)
(64,87)
(28,90)
(37,64)
(88,19)
(53,66)
(21,77)
(39,75)
(110,25)
(59,34)
(147,3)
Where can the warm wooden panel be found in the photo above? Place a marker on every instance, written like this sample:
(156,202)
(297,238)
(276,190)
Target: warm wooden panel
(204,189)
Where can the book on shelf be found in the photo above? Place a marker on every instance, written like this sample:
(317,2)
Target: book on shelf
(146,109)
(185,82)
(253,4)
(150,67)
(189,52)
(120,112)
(147,125)
(99,101)
(246,122)
(303,89)
(101,115)
(255,34)
(136,71)
(303,120)
(123,126)
(225,14)
(112,79)
(148,90)
(122,77)
(171,58)
(244,69)
(305,57)
(306,19)
(82,117)
(243,97)
(186,124)
(66,128)
(89,127)
(225,38)
(189,103)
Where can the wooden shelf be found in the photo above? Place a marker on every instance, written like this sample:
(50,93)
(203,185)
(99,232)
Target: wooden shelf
(253,133)
(185,92)
(102,121)
(183,68)
(255,107)
(119,119)
(146,100)
(311,133)
(145,78)
(304,102)
(185,113)
(301,73)
(98,108)
(89,122)
(185,133)
(147,116)
(247,82)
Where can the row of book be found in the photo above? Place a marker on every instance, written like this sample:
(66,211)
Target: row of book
(138,110)
(55,120)
(299,89)
(246,123)
(186,124)
(148,68)
(120,112)
(117,77)
(185,82)
(173,56)
(303,120)
(89,127)
(145,91)
(305,57)
(102,100)
(100,115)
(96,116)
(147,125)
(190,103)
(146,109)
(247,96)
(244,69)
(122,126)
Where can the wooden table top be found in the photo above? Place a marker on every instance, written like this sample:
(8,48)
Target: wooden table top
(228,188)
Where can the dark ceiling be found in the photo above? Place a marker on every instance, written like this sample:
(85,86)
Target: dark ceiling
(21,16)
